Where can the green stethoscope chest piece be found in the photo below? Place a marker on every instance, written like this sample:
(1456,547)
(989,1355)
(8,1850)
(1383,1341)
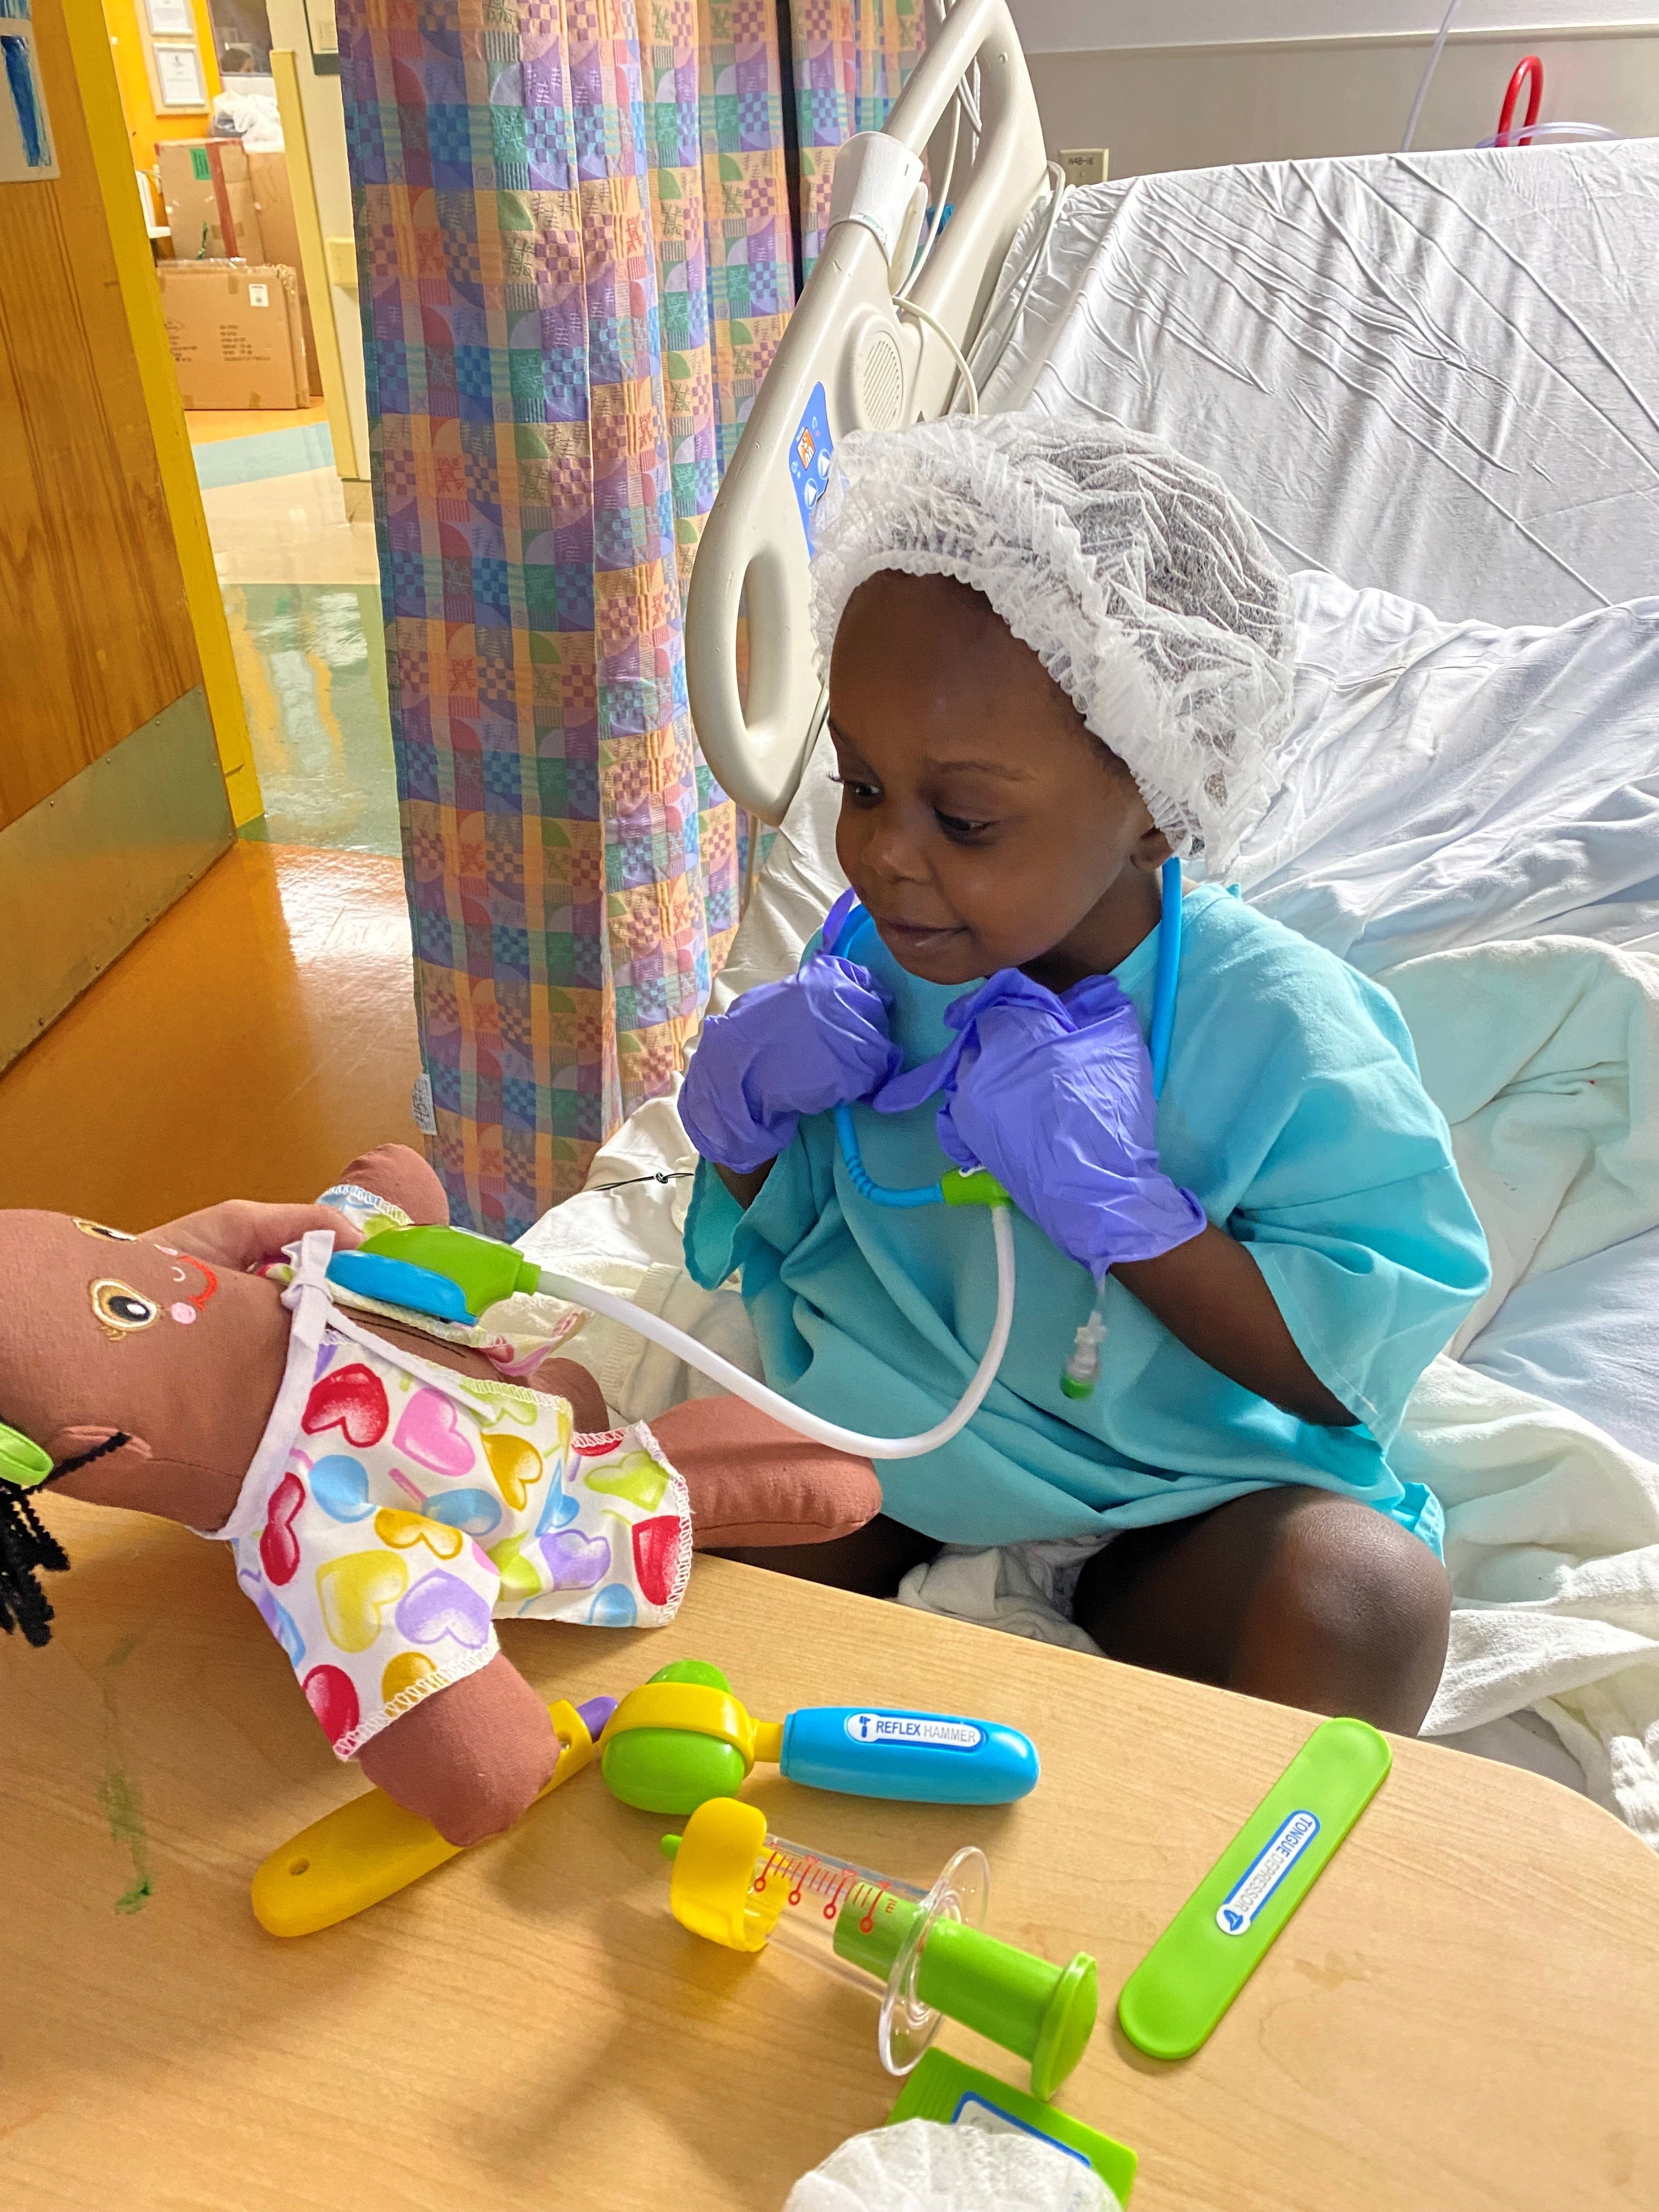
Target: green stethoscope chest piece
(1181,1988)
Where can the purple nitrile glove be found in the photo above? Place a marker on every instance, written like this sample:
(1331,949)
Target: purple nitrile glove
(785,1050)
(1054,1096)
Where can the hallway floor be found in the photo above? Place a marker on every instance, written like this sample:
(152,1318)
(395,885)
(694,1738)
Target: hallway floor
(300,579)
(259,1035)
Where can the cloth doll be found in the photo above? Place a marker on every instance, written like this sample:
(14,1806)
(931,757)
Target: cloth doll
(387,1494)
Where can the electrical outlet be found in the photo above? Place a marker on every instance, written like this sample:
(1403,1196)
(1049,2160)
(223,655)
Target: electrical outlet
(340,255)
(1084,165)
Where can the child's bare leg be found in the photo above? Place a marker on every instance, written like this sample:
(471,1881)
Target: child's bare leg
(1292,1594)
(873,1560)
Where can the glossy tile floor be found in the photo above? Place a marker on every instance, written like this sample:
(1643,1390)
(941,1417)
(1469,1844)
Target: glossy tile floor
(259,1035)
(302,587)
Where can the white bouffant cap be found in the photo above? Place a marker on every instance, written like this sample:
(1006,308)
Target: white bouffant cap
(1136,578)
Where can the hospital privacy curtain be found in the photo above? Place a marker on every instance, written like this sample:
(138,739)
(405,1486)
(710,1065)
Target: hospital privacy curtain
(574,251)
(852,58)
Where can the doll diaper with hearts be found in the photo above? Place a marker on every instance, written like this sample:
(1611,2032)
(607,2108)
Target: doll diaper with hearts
(395,1511)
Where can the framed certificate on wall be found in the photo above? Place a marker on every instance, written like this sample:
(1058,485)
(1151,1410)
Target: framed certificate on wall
(179,82)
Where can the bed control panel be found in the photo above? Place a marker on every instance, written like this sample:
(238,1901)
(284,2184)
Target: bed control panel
(808,459)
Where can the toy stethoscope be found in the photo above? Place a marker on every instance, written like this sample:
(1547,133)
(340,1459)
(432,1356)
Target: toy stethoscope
(453,1275)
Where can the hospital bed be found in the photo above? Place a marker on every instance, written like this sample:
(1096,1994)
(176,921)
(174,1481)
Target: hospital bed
(1433,379)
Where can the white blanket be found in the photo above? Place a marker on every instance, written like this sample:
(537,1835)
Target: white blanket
(1431,372)
(1543,1055)
(1552,1543)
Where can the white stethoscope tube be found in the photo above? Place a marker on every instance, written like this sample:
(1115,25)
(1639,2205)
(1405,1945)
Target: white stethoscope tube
(576,1292)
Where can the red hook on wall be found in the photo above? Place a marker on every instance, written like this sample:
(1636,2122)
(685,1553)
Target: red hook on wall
(1531,69)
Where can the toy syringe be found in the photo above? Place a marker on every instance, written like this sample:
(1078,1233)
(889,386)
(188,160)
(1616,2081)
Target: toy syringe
(922,1953)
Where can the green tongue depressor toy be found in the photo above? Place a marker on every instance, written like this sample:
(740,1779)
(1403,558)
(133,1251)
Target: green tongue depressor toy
(1203,1958)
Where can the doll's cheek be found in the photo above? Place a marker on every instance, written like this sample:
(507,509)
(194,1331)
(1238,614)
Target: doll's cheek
(182,1314)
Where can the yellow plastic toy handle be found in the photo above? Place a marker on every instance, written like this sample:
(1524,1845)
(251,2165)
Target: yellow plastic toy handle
(370,1848)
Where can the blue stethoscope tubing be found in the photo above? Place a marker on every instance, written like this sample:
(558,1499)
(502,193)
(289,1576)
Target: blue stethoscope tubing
(847,918)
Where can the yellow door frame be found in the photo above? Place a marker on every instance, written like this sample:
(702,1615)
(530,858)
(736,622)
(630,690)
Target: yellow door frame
(313,256)
(100,100)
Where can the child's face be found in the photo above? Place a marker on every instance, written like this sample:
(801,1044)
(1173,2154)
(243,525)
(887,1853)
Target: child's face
(982,824)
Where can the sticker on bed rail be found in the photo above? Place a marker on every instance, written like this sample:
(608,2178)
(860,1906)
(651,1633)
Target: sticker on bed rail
(809,458)
(1262,1877)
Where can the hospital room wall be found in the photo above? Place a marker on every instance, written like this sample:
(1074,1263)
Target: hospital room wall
(1198,104)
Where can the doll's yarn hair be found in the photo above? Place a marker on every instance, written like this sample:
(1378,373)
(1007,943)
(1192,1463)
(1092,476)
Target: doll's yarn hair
(27,1546)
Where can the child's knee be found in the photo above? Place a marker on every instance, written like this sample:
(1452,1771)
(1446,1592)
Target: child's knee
(1366,1607)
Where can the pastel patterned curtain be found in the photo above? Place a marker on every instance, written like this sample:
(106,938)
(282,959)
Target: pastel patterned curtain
(852,58)
(574,252)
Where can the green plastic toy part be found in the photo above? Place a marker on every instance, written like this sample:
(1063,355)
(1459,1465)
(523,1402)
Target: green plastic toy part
(977,1187)
(21,1459)
(1181,1988)
(1042,2013)
(484,1271)
(944,2089)
(681,1739)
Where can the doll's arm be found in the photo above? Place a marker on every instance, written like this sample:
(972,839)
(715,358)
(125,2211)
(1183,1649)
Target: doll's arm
(398,1173)
(239,1232)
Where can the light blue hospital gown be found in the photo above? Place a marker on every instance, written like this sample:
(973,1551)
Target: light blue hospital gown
(1291,1107)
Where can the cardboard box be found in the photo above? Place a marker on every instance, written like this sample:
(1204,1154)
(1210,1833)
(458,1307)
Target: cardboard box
(208,192)
(274,201)
(234,330)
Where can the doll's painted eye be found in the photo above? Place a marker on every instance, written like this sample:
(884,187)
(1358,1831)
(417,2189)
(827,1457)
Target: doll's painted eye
(98,1228)
(122,1310)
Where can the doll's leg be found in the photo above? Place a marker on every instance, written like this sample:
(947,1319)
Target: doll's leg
(469,1758)
(563,1378)
(757,1486)
(1293,1594)
(398,1173)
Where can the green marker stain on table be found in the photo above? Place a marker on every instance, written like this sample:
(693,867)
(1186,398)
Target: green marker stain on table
(118,1797)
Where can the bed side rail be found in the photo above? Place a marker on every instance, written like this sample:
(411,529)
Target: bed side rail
(850,360)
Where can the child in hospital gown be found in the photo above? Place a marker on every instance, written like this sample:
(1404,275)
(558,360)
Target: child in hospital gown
(1059,654)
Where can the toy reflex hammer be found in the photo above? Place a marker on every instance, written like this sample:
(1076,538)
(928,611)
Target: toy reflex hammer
(683,1738)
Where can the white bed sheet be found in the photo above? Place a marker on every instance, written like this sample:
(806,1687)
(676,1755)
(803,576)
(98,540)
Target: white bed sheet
(1435,374)
(1584,1337)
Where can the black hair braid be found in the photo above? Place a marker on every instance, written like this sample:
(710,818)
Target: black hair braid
(27,1546)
